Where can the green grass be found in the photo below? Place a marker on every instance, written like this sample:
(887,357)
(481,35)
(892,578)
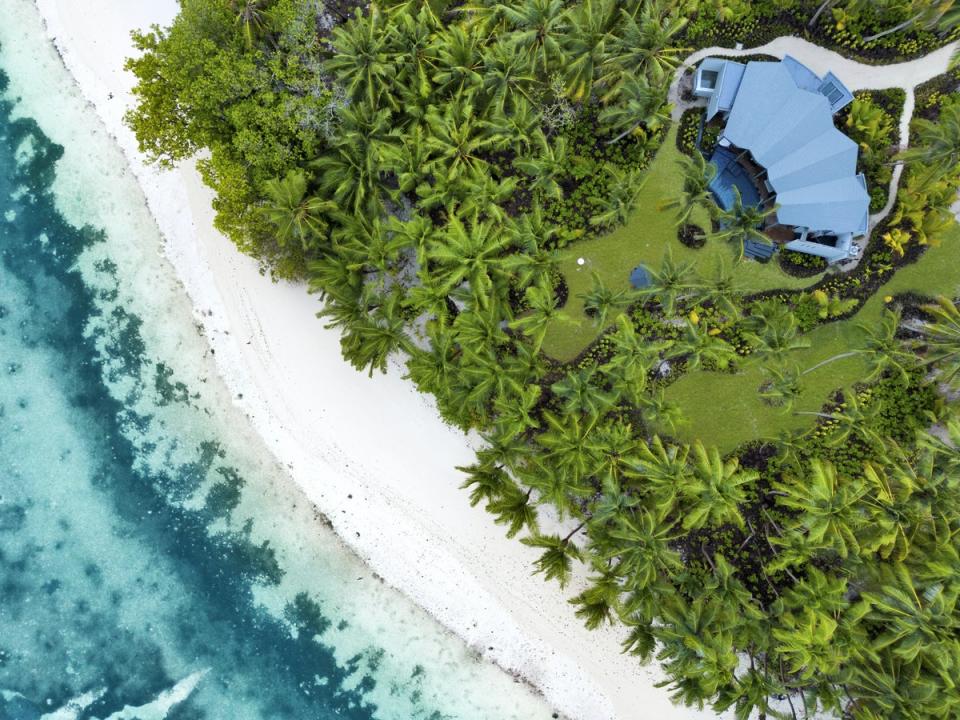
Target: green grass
(644,239)
(725,410)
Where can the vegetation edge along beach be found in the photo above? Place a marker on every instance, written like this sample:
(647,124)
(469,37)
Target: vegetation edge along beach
(757,467)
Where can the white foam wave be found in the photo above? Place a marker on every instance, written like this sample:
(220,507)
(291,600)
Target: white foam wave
(159,708)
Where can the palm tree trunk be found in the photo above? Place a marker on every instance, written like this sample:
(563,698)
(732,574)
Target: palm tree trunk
(827,416)
(573,532)
(816,16)
(624,133)
(901,26)
(783,679)
(841,356)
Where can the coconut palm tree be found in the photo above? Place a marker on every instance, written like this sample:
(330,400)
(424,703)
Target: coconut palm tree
(851,417)
(719,289)
(899,514)
(434,370)
(350,171)
(698,173)
(457,53)
(882,350)
(556,562)
(479,331)
(523,363)
(484,198)
(697,648)
(941,338)
(412,43)
(371,337)
(644,47)
(406,161)
(539,26)
(600,301)
(741,223)
(514,508)
(633,357)
(508,75)
(520,129)
(639,545)
(697,346)
(535,261)
(829,509)
(589,24)
(486,482)
(668,283)
(546,165)
(622,197)
(569,444)
(469,253)
(930,14)
(658,413)
(938,143)
(782,387)
(772,329)
(544,311)
(297,215)
(333,276)
(661,470)
(480,380)
(368,246)
(641,108)
(715,489)
(251,16)
(600,601)
(616,440)
(361,60)
(515,410)
(555,485)
(582,392)
(457,140)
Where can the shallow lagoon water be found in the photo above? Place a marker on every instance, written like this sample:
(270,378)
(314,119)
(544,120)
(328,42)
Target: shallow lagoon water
(154,560)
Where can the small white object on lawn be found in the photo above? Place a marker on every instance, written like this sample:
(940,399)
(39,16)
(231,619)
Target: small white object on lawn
(580,261)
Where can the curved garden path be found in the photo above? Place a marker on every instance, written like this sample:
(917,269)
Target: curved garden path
(855,75)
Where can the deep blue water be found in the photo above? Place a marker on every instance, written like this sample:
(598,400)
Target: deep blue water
(137,565)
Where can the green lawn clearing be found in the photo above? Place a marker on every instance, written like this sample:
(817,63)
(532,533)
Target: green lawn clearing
(643,240)
(726,410)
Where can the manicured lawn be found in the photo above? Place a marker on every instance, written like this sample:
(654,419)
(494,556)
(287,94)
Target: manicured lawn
(725,410)
(644,239)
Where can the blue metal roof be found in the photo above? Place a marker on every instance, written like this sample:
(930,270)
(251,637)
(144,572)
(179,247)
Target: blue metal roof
(810,164)
(804,77)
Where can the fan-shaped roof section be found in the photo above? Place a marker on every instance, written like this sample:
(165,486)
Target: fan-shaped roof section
(810,164)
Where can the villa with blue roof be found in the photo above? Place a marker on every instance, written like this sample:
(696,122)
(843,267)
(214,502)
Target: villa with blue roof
(780,148)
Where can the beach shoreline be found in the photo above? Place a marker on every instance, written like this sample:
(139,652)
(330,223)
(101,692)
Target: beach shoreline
(372,455)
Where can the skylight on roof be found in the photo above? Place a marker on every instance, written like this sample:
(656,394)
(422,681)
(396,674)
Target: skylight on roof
(832,92)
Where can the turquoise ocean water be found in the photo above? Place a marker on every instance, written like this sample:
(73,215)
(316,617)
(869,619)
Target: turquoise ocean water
(154,562)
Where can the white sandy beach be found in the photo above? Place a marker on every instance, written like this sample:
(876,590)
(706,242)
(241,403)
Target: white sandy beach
(372,454)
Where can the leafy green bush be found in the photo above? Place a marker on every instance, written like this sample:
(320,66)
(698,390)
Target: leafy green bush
(801,264)
(871,121)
